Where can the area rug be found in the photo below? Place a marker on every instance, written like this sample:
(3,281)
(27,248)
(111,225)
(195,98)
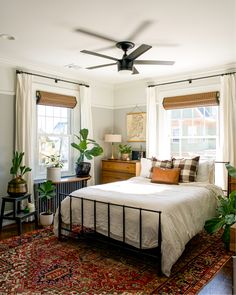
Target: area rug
(37,263)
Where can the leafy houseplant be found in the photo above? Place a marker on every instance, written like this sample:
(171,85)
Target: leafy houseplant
(88,148)
(17,186)
(54,165)
(226,212)
(125,151)
(46,192)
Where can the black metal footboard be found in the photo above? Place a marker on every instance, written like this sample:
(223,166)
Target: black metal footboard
(154,252)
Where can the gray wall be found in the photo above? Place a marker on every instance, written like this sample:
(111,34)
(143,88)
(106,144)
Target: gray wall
(120,126)
(102,123)
(6,142)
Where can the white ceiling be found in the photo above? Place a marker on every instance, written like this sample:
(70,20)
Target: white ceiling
(196,34)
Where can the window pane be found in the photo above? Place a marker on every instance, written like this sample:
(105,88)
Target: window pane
(49,111)
(194,131)
(49,145)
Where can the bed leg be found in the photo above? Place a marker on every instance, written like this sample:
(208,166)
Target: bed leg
(59,222)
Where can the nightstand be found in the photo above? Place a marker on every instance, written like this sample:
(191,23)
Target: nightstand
(117,170)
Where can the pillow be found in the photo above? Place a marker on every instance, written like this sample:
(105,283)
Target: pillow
(206,171)
(168,176)
(146,165)
(162,163)
(188,168)
(167,164)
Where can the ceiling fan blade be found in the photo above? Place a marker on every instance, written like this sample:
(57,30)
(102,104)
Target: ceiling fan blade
(137,52)
(98,54)
(101,66)
(154,62)
(139,29)
(135,71)
(94,34)
(106,48)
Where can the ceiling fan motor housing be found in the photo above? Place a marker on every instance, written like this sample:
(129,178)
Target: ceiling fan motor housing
(125,64)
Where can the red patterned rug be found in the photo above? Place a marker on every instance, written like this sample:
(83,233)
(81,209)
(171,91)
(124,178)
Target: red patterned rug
(37,263)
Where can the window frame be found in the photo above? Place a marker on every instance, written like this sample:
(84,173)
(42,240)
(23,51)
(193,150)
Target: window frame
(44,84)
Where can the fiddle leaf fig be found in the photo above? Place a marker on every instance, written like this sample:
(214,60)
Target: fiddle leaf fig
(88,148)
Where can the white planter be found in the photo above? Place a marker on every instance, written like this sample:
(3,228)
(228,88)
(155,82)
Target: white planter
(54,174)
(45,219)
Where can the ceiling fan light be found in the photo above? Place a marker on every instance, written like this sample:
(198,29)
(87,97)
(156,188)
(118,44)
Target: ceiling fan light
(125,72)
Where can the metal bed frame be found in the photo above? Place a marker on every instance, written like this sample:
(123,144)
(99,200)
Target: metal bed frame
(154,252)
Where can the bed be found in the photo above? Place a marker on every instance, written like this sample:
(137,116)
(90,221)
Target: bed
(170,214)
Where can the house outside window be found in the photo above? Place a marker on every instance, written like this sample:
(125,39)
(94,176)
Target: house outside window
(194,131)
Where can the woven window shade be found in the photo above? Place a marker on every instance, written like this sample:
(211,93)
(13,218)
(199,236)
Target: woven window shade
(191,101)
(56,100)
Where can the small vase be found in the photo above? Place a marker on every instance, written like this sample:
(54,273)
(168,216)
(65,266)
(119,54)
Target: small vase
(54,174)
(125,157)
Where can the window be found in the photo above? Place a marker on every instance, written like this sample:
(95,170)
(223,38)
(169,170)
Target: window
(193,131)
(54,135)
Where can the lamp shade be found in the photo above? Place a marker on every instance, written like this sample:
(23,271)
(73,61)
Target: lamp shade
(112,138)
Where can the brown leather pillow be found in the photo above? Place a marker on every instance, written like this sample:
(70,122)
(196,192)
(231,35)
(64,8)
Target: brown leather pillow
(168,176)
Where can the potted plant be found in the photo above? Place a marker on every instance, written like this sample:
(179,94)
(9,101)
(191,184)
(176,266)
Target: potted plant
(17,186)
(46,192)
(88,148)
(125,151)
(226,212)
(54,165)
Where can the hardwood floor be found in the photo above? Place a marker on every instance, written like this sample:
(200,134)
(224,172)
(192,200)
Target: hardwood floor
(221,284)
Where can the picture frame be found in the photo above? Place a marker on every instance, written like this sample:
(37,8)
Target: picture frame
(136,127)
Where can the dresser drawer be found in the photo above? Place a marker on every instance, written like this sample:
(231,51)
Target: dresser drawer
(119,166)
(114,176)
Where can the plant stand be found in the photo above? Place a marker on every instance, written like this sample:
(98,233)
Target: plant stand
(16,214)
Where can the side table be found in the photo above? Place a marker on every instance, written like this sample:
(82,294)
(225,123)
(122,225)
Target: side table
(16,214)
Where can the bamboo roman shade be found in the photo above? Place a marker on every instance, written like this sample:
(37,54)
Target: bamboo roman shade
(191,100)
(56,100)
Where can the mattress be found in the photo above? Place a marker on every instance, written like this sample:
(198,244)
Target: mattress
(185,208)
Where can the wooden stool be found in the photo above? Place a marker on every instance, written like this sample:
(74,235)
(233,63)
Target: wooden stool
(17,214)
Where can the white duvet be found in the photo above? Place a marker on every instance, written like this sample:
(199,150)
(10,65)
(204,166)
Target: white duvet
(184,209)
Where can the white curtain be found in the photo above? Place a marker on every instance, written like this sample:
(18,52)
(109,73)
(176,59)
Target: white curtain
(151,126)
(86,120)
(227,139)
(25,124)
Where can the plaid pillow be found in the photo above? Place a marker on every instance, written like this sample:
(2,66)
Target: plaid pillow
(188,168)
(167,164)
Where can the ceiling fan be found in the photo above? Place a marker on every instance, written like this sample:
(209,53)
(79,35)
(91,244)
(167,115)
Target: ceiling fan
(127,62)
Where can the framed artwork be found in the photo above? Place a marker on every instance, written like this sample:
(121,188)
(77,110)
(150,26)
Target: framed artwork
(136,127)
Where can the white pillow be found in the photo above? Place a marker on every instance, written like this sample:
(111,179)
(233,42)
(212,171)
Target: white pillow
(146,165)
(206,171)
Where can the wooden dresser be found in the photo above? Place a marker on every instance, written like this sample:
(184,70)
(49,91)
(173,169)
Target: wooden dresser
(231,184)
(116,170)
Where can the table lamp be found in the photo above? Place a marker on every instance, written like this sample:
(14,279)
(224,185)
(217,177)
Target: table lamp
(112,138)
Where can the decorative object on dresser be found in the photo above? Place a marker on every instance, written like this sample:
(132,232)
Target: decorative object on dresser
(88,148)
(116,170)
(54,165)
(112,138)
(46,192)
(17,186)
(125,151)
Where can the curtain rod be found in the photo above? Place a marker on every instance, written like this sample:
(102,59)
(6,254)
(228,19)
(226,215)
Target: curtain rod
(55,79)
(190,80)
